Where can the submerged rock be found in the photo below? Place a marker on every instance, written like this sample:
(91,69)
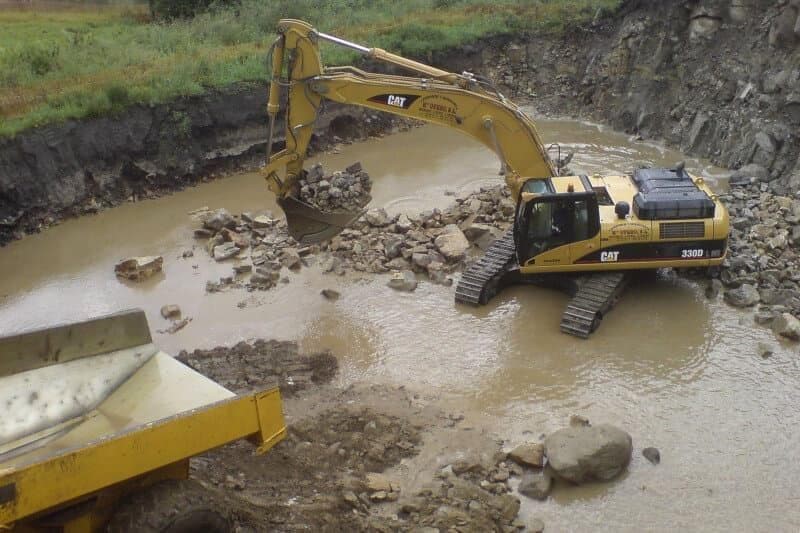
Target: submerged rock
(586,453)
(787,326)
(652,455)
(403,281)
(171,311)
(536,485)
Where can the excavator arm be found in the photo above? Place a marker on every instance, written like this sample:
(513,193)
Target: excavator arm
(460,101)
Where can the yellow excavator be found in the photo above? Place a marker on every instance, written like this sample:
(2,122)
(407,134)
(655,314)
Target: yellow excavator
(583,232)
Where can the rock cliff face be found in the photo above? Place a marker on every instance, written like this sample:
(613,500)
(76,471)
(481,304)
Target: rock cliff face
(716,78)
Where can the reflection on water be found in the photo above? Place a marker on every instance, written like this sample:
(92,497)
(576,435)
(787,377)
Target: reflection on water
(677,371)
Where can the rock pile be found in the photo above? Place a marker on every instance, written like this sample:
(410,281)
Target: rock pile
(340,191)
(433,243)
(762,264)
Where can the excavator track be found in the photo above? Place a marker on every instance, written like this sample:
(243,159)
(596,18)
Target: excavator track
(482,279)
(596,294)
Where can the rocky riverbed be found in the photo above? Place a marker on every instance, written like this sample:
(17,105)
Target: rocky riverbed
(434,243)
(761,270)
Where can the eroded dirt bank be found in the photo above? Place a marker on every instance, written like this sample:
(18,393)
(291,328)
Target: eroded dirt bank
(337,470)
(716,78)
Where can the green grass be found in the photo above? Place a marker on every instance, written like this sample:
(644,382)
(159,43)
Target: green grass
(84,60)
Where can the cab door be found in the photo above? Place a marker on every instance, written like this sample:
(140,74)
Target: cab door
(550,225)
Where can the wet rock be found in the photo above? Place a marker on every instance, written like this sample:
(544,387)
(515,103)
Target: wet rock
(170,311)
(219,219)
(330,294)
(341,191)
(377,217)
(225,251)
(291,259)
(536,485)
(242,269)
(744,296)
(529,454)
(652,455)
(787,326)
(403,281)
(203,233)
(580,454)
(536,525)
(139,268)
(475,230)
(452,243)
(262,222)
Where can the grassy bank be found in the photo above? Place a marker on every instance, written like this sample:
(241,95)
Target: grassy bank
(80,60)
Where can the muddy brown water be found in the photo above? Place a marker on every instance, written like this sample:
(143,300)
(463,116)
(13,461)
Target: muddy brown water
(677,371)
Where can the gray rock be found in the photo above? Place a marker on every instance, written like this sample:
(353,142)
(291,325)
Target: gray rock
(403,281)
(536,485)
(787,326)
(242,269)
(452,243)
(652,455)
(580,454)
(377,217)
(219,219)
(475,230)
(744,296)
(750,171)
(536,525)
(225,251)
(291,259)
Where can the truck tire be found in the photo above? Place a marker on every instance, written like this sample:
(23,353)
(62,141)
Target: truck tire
(174,506)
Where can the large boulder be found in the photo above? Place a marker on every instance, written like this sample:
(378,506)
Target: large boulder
(452,243)
(581,454)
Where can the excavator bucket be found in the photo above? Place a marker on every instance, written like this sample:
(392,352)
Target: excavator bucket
(309,225)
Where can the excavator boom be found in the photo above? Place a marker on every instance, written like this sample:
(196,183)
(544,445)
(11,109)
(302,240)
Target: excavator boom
(464,102)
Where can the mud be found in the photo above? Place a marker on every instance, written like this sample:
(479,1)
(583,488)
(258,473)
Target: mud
(322,477)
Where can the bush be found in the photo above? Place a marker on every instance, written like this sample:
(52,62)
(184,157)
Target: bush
(172,9)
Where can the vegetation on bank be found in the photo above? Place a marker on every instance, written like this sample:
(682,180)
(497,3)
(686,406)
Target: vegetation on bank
(82,60)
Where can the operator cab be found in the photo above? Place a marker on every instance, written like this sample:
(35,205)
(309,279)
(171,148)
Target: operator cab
(564,211)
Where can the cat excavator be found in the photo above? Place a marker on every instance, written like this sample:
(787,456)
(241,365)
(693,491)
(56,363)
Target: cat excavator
(582,233)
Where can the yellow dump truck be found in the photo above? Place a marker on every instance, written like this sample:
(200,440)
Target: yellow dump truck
(97,427)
